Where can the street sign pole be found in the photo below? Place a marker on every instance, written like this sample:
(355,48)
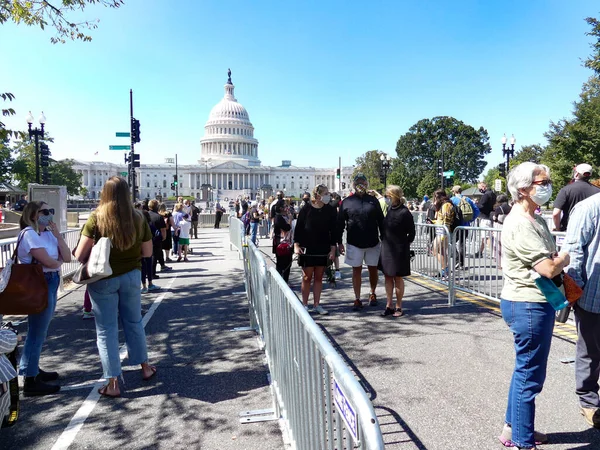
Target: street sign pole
(132,171)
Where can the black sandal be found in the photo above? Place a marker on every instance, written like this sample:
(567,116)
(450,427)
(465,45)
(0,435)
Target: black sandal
(398,312)
(387,312)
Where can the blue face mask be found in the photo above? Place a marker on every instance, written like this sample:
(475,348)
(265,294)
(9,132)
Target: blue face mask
(45,220)
(542,194)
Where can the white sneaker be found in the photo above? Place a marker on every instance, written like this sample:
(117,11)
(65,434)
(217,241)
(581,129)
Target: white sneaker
(338,275)
(309,309)
(320,310)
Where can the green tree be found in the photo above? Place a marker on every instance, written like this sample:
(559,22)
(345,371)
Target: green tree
(463,147)
(6,161)
(24,168)
(43,13)
(533,153)
(593,61)
(369,164)
(56,14)
(575,140)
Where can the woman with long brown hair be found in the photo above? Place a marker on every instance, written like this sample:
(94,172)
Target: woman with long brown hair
(118,296)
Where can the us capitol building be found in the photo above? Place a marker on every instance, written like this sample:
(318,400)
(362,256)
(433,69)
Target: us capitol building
(228,167)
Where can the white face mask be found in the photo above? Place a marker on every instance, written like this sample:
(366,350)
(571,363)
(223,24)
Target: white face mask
(388,201)
(542,194)
(326,198)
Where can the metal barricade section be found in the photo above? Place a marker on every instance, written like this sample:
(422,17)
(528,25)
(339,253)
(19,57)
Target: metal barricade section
(432,258)
(320,400)
(477,256)
(236,235)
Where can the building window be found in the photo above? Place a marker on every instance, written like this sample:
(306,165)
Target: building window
(164,183)
(277,186)
(148,184)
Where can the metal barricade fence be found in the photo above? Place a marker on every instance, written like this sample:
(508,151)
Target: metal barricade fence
(476,253)
(319,399)
(208,220)
(431,246)
(236,235)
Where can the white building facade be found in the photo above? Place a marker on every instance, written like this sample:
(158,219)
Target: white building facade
(228,167)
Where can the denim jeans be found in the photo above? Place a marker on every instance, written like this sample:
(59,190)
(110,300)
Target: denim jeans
(37,329)
(115,299)
(531,324)
(253,231)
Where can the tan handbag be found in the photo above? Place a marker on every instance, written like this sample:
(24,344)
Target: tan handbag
(27,290)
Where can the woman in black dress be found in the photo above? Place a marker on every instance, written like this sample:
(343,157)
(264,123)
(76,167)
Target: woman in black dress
(315,243)
(394,260)
(282,226)
(167,244)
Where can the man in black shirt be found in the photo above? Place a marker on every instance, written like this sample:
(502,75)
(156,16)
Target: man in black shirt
(486,206)
(20,205)
(579,189)
(159,224)
(362,217)
(195,212)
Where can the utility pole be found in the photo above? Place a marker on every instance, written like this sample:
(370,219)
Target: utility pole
(339,187)
(176,178)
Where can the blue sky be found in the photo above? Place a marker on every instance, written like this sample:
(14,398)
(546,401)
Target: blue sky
(319,79)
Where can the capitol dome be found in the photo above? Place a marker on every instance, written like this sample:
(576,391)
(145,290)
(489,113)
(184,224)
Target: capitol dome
(229,134)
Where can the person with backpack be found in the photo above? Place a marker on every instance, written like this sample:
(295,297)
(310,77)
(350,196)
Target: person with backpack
(468,212)
(445,215)
(158,229)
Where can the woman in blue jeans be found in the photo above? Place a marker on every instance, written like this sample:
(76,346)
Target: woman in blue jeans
(40,239)
(527,245)
(118,296)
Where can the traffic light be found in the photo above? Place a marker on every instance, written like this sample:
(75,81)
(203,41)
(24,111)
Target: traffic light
(135,160)
(440,168)
(45,177)
(502,170)
(135,130)
(44,155)
(337,174)
(173,186)
(343,185)
(174,181)
(382,179)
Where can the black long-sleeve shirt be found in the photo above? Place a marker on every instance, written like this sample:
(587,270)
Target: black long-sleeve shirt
(362,217)
(315,228)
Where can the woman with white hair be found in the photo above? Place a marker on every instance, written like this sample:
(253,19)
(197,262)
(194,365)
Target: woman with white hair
(527,245)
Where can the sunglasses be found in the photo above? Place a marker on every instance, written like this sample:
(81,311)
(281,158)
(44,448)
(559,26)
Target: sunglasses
(542,183)
(47,212)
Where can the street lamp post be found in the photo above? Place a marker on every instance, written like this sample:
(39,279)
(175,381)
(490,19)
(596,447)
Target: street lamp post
(508,153)
(386,163)
(36,133)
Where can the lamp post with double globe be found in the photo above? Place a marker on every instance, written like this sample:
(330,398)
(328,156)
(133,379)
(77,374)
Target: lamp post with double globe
(36,133)
(386,163)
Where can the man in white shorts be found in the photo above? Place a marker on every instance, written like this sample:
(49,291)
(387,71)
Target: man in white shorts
(361,215)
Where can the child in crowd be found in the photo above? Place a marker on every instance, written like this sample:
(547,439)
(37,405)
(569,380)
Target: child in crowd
(184,237)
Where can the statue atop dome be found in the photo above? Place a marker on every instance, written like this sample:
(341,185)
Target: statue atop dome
(229,76)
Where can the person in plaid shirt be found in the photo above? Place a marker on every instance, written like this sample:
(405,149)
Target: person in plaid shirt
(582,242)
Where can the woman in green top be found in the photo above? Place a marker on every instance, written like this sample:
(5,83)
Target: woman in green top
(118,296)
(527,245)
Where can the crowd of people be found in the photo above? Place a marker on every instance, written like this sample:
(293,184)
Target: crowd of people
(370,229)
(143,236)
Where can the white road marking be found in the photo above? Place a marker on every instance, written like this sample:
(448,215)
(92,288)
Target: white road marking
(68,435)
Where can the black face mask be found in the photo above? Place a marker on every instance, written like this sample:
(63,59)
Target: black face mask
(306,200)
(482,191)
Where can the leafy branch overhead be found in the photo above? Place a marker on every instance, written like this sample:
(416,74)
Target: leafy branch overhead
(42,13)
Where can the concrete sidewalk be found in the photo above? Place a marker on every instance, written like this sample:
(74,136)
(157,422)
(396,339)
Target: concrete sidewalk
(439,376)
(207,373)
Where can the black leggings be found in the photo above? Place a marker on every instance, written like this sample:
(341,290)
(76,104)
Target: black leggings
(283,265)
(147,270)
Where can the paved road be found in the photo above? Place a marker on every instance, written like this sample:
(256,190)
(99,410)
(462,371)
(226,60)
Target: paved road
(438,377)
(207,374)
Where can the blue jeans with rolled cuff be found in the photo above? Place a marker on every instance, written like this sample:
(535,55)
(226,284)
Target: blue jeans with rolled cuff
(532,325)
(37,329)
(113,300)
